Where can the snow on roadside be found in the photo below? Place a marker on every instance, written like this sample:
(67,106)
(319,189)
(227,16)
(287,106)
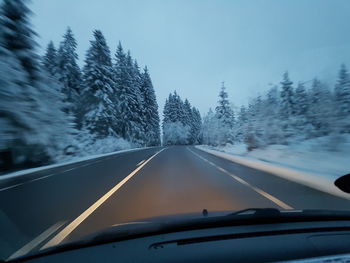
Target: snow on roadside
(311,162)
(74,160)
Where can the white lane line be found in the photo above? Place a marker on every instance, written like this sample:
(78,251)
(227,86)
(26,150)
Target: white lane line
(239,179)
(140,163)
(12,186)
(46,176)
(40,178)
(71,169)
(36,241)
(76,222)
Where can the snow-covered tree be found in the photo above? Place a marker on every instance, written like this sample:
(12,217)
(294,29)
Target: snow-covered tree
(301,100)
(177,112)
(174,113)
(287,93)
(302,110)
(150,109)
(271,120)
(68,70)
(320,109)
(254,132)
(98,111)
(34,127)
(224,113)
(196,126)
(342,100)
(49,60)
(18,36)
(287,106)
(210,129)
(175,133)
(241,124)
(129,98)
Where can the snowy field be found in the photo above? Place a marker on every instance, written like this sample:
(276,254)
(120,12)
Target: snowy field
(315,162)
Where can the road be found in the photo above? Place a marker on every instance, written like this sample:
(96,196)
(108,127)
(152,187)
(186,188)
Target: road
(82,198)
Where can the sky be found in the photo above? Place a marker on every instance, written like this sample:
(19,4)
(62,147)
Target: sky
(192,46)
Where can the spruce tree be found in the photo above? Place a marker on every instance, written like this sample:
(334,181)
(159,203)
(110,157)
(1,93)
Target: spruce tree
(320,109)
(301,100)
(196,126)
(98,110)
(128,97)
(225,116)
(342,92)
(49,60)
(40,130)
(68,69)
(151,121)
(287,102)
(18,36)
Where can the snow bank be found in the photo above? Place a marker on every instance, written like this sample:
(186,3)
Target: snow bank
(312,163)
(7,177)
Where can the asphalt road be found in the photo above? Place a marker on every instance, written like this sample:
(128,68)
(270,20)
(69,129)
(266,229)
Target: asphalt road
(83,198)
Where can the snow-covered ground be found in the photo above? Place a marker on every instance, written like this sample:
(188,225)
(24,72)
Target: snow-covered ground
(316,162)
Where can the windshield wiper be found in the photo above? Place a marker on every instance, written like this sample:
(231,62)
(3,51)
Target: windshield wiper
(258,212)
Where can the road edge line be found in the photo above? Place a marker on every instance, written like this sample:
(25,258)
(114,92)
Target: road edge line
(240,180)
(317,181)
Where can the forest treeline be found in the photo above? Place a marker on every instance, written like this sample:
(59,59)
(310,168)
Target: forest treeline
(51,108)
(288,113)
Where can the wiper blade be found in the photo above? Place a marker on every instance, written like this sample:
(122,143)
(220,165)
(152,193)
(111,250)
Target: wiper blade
(273,213)
(259,212)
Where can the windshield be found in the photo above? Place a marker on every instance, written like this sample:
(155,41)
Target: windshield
(116,113)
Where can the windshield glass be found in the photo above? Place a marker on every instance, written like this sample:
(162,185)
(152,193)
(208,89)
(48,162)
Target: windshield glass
(114,113)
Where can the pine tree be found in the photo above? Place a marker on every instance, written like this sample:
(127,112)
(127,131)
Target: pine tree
(128,97)
(18,36)
(320,109)
(211,130)
(287,103)
(254,135)
(241,124)
(137,84)
(137,131)
(196,127)
(287,108)
(14,107)
(188,119)
(181,122)
(98,110)
(301,100)
(342,100)
(49,60)
(151,121)
(302,111)
(342,91)
(36,128)
(225,115)
(68,69)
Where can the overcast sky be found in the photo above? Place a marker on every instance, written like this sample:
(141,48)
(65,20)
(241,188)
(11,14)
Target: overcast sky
(191,46)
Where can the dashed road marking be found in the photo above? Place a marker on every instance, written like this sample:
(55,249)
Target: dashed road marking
(240,180)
